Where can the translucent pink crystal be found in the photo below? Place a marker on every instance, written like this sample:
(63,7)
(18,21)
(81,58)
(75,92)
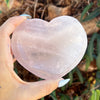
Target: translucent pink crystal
(49,49)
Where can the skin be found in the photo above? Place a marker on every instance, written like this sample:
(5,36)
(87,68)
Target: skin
(11,86)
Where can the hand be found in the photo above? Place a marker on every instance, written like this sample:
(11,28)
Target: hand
(11,86)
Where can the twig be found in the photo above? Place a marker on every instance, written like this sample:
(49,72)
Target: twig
(36,1)
(33,3)
(43,11)
(88,4)
(95,87)
(88,1)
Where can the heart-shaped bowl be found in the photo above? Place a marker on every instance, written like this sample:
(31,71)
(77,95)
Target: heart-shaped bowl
(49,49)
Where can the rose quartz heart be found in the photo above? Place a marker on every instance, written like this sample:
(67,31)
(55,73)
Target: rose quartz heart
(49,49)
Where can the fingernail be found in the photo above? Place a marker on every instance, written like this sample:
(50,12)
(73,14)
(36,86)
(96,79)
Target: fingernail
(63,82)
(27,16)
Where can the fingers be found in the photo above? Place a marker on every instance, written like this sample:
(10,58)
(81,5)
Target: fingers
(5,51)
(9,26)
(5,30)
(37,90)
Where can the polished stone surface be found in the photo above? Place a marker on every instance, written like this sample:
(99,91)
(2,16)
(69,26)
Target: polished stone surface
(49,49)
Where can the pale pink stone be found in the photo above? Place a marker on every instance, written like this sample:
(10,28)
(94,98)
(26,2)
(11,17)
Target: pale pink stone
(49,49)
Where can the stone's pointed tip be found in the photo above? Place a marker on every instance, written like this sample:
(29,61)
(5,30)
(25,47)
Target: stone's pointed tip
(63,82)
(27,16)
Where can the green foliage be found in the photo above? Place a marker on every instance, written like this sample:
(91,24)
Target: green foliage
(98,24)
(64,97)
(87,61)
(76,98)
(97,79)
(7,3)
(77,71)
(0,11)
(79,75)
(98,74)
(98,2)
(63,88)
(98,52)
(85,92)
(85,11)
(53,95)
(98,61)
(71,78)
(16,71)
(91,15)
(90,51)
(42,98)
(95,95)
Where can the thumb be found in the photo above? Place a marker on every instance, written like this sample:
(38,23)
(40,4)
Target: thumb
(9,26)
(37,90)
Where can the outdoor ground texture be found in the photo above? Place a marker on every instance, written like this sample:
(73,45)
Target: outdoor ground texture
(47,10)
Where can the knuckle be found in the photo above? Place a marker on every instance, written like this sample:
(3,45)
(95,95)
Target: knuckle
(8,25)
(12,18)
(11,21)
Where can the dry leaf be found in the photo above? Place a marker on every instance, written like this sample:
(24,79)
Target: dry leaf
(76,1)
(12,4)
(92,67)
(3,5)
(54,11)
(90,26)
(63,2)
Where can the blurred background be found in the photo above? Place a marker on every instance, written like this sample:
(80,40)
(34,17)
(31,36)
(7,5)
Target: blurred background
(85,78)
